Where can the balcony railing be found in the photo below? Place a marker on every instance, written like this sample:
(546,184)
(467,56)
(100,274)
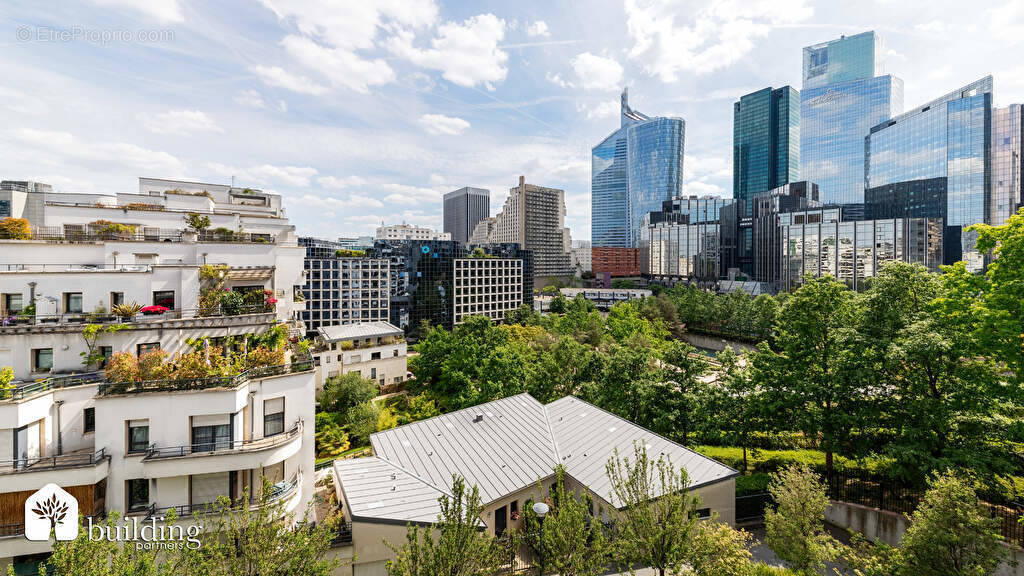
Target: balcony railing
(74,267)
(73,460)
(53,383)
(298,365)
(17,529)
(216,447)
(142,234)
(81,318)
(279,491)
(343,535)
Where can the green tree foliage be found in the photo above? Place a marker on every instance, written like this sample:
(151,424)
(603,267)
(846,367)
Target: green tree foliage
(735,403)
(6,377)
(361,421)
(657,517)
(717,549)
(795,528)
(454,546)
(197,222)
(949,534)
(558,304)
(346,391)
(15,229)
(570,541)
(331,439)
(91,334)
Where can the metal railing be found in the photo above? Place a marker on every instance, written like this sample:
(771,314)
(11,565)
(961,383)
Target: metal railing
(155,453)
(53,383)
(74,267)
(342,535)
(232,236)
(296,366)
(73,460)
(140,234)
(279,492)
(83,318)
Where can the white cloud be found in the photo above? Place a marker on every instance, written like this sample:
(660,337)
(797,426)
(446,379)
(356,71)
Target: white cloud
(360,201)
(277,76)
(557,79)
(341,67)
(1006,22)
(932,26)
(352,25)
(339,183)
(597,72)
(250,99)
(601,110)
(267,174)
(180,122)
(718,33)
(282,106)
(64,147)
(441,124)
(466,53)
(162,10)
(538,28)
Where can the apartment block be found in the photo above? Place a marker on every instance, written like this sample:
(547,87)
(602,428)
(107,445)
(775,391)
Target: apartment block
(410,232)
(533,217)
(374,350)
(341,288)
(487,286)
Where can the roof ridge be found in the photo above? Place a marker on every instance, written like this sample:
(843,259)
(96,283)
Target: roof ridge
(551,434)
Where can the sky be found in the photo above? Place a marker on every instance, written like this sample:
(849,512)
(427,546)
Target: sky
(366,111)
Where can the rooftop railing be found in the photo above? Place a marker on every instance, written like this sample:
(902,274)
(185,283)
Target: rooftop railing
(74,460)
(76,267)
(82,318)
(296,366)
(279,492)
(142,234)
(217,446)
(53,383)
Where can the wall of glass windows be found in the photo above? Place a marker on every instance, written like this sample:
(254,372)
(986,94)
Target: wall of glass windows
(1007,184)
(654,168)
(766,141)
(842,60)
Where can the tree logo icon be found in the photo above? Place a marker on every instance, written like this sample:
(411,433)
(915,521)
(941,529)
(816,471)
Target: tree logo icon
(51,510)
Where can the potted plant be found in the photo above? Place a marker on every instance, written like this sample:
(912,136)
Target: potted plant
(155,309)
(126,312)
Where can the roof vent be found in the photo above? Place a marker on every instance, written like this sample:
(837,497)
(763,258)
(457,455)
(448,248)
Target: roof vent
(478,418)
(394,488)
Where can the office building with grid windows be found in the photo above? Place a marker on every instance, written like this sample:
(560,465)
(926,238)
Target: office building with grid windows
(487,287)
(340,289)
(1007,184)
(463,209)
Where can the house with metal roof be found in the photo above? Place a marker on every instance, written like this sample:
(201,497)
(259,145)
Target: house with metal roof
(375,350)
(509,449)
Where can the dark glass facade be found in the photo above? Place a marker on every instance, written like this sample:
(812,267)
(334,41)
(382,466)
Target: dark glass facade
(766,142)
(463,209)
(342,290)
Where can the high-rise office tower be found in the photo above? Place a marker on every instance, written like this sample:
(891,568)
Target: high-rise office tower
(844,95)
(633,171)
(1007,141)
(935,161)
(463,208)
(765,141)
(533,217)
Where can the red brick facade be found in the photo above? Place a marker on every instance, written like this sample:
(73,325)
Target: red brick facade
(617,261)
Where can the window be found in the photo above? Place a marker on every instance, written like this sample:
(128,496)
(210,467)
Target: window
(137,490)
(72,302)
(116,299)
(107,352)
(147,347)
(89,416)
(13,303)
(210,438)
(164,298)
(138,436)
(42,359)
(273,416)
(702,513)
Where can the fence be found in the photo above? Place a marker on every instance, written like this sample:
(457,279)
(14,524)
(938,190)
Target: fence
(887,494)
(520,557)
(297,365)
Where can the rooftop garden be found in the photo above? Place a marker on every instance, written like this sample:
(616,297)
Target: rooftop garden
(15,229)
(180,192)
(345,253)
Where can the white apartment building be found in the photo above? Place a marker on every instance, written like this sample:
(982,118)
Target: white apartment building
(410,232)
(89,253)
(483,232)
(580,256)
(145,448)
(486,286)
(374,350)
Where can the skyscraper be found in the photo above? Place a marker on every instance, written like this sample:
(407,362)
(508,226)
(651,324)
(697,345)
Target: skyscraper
(936,161)
(765,141)
(842,97)
(633,171)
(534,217)
(1007,141)
(463,208)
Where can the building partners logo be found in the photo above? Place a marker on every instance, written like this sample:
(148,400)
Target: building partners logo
(51,509)
(147,535)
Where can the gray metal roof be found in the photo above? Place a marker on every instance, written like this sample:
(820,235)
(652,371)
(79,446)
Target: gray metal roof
(377,490)
(360,330)
(519,441)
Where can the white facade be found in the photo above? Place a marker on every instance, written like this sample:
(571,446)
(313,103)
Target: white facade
(79,264)
(374,350)
(580,253)
(487,286)
(410,232)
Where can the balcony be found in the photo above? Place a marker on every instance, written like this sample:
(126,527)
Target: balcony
(32,388)
(171,319)
(74,469)
(223,456)
(62,235)
(297,365)
(281,491)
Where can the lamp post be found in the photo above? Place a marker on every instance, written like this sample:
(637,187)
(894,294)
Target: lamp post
(541,510)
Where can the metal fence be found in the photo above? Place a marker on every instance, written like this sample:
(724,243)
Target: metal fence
(520,557)
(750,508)
(297,365)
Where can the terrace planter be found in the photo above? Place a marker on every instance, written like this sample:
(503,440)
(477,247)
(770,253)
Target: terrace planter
(77,320)
(47,320)
(106,319)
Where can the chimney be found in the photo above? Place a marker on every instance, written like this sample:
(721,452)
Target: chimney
(522,181)
(478,418)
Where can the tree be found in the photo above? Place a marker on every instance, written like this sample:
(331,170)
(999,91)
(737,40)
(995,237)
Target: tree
(678,396)
(795,528)
(91,334)
(15,229)
(623,283)
(717,549)
(558,304)
(735,402)
(657,516)
(331,439)
(343,392)
(570,541)
(197,222)
(949,534)
(460,548)
(361,421)
(6,377)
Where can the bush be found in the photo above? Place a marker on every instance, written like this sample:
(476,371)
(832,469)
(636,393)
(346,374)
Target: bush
(756,483)
(108,227)
(15,229)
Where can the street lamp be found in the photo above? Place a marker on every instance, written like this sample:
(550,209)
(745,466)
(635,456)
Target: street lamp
(541,510)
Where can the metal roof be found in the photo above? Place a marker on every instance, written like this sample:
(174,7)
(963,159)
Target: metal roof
(509,444)
(377,490)
(360,330)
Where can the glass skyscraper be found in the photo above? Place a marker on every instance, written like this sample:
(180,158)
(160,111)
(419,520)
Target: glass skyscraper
(765,142)
(842,98)
(1007,184)
(633,171)
(946,144)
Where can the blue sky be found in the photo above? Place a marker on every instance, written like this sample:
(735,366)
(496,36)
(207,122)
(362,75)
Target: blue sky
(369,110)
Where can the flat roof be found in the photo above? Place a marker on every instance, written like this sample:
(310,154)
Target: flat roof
(379,491)
(360,330)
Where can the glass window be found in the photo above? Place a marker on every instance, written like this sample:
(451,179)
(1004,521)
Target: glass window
(42,359)
(137,490)
(273,416)
(107,352)
(138,436)
(72,302)
(116,299)
(210,438)
(89,417)
(13,303)
(164,298)
(146,348)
